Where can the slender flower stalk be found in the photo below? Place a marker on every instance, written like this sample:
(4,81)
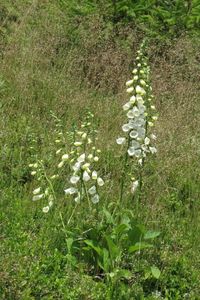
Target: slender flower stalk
(141,116)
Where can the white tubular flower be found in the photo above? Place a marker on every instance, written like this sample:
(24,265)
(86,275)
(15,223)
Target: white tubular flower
(94,175)
(84,136)
(130,90)
(127,106)
(147,141)
(92,190)
(86,176)
(96,158)
(78,198)
(37,191)
(37,197)
(142,82)
(131,151)
(100,181)
(121,141)
(81,158)
(77,144)
(74,179)
(129,82)
(134,71)
(85,166)
(140,90)
(76,167)
(95,199)
(45,209)
(135,78)
(125,127)
(134,186)
(132,100)
(71,191)
(33,173)
(133,134)
(61,164)
(65,157)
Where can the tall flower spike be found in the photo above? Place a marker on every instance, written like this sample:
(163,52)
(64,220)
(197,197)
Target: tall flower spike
(84,177)
(140,113)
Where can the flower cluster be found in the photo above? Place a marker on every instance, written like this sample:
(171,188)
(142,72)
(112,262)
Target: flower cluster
(44,190)
(84,179)
(140,113)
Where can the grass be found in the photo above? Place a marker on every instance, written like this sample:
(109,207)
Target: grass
(47,63)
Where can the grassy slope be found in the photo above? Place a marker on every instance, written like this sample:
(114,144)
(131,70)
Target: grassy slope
(48,64)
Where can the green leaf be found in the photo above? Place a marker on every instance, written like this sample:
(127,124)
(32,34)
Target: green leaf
(151,235)
(138,247)
(113,249)
(92,245)
(155,272)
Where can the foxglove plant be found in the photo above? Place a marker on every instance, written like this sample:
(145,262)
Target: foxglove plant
(140,113)
(84,179)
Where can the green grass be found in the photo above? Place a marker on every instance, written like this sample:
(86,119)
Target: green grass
(47,63)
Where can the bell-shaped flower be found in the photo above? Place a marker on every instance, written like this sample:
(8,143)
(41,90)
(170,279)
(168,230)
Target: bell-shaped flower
(125,127)
(37,197)
(94,175)
(65,157)
(70,191)
(121,140)
(86,176)
(127,106)
(92,190)
(95,199)
(133,134)
(45,209)
(74,179)
(77,166)
(129,83)
(37,191)
(140,90)
(147,141)
(132,99)
(130,90)
(100,181)
(134,186)
(81,158)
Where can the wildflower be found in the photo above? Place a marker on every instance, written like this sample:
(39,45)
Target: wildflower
(70,191)
(74,179)
(95,199)
(121,140)
(81,158)
(65,157)
(45,209)
(92,190)
(37,197)
(129,83)
(33,173)
(100,181)
(77,144)
(140,90)
(96,158)
(134,186)
(130,90)
(127,106)
(60,165)
(86,176)
(94,175)
(37,191)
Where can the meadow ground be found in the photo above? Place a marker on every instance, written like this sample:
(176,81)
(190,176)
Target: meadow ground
(49,64)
